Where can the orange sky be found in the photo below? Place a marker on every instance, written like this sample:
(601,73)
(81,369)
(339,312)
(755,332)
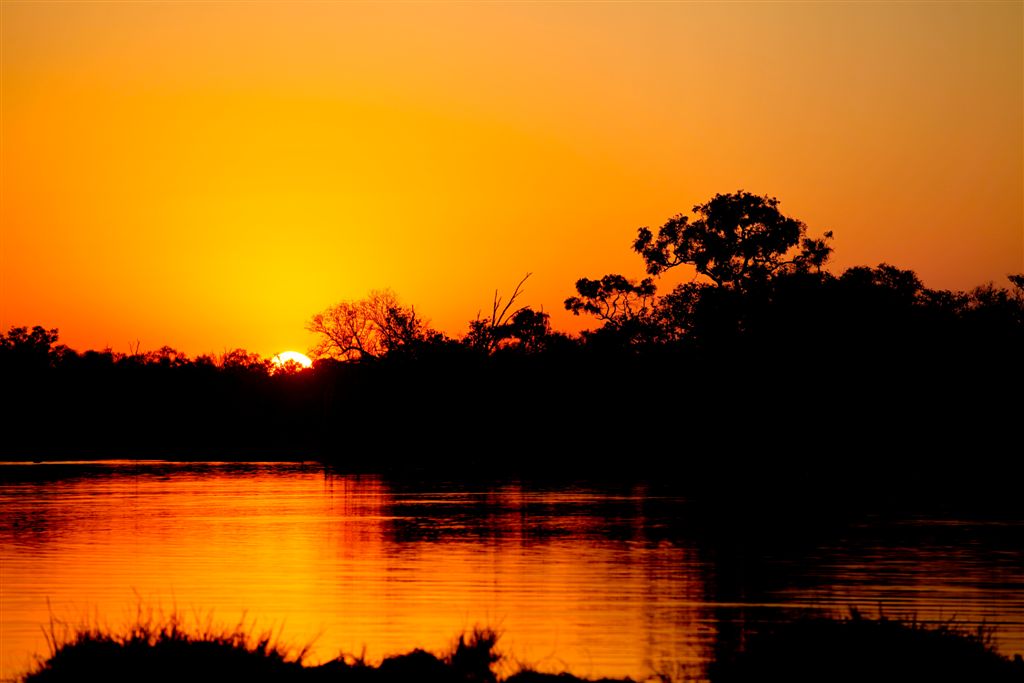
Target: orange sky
(209,175)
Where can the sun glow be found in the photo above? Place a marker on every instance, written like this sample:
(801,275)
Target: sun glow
(284,358)
(392,137)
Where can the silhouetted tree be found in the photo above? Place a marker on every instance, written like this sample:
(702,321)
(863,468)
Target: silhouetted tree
(166,357)
(33,348)
(242,360)
(897,286)
(628,308)
(487,334)
(740,241)
(879,306)
(288,367)
(735,240)
(615,299)
(529,329)
(368,328)
(995,310)
(697,311)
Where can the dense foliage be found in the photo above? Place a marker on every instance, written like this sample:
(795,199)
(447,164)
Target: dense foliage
(762,350)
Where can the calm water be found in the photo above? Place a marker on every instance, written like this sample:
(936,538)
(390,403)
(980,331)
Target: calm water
(599,579)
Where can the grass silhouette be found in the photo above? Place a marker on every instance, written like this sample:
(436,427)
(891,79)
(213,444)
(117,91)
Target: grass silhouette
(166,647)
(159,648)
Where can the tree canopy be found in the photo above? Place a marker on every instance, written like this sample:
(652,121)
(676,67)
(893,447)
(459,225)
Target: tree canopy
(735,240)
(740,242)
(366,329)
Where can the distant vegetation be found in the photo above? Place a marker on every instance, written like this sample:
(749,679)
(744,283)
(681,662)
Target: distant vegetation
(811,649)
(763,359)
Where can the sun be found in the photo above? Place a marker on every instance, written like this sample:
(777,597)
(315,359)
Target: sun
(285,357)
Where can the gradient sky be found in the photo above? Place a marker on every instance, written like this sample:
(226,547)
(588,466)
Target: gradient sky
(209,175)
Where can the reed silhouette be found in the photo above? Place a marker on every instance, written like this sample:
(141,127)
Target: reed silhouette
(164,648)
(809,647)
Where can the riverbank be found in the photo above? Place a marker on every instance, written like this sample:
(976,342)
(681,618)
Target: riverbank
(808,648)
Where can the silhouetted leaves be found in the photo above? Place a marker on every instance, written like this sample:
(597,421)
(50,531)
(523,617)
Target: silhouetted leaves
(616,300)
(29,348)
(737,240)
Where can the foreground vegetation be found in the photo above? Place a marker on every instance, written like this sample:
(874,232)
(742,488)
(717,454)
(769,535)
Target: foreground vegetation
(810,648)
(858,649)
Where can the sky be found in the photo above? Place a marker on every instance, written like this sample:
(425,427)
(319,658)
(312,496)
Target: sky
(209,175)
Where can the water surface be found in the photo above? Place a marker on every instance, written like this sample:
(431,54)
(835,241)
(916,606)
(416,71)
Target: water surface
(600,579)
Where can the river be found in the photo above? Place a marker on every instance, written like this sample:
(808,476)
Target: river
(598,578)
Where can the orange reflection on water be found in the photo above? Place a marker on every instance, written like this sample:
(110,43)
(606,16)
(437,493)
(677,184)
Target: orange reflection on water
(350,563)
(609,580)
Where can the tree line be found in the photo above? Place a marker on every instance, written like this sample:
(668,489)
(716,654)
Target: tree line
(760,349)
(758,278)
(759,281)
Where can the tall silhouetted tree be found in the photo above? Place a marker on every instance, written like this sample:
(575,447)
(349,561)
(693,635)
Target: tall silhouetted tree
(741,242)
(737,240)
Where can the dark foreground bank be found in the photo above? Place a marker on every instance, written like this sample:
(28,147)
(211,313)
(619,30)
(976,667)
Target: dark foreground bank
(810,648)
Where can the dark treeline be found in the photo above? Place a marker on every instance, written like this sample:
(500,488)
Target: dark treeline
(765,364)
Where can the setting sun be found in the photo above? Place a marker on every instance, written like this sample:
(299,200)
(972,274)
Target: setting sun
(285,357)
